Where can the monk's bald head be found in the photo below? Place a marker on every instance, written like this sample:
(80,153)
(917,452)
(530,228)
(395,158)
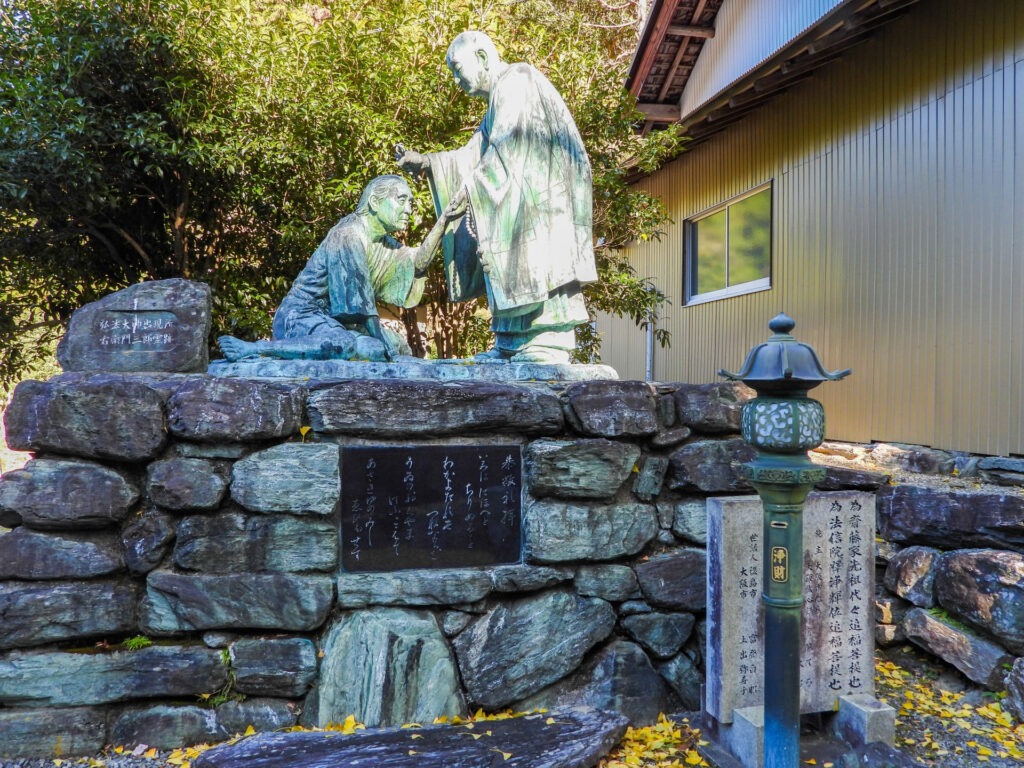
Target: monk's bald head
(473,41)
(474,62)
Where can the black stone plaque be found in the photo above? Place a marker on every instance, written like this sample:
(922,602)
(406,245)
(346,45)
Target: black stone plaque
(430,506)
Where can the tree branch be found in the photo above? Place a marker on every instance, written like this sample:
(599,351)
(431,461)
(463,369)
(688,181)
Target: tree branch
(143,254)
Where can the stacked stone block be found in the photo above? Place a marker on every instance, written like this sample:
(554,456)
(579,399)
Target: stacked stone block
(954,567)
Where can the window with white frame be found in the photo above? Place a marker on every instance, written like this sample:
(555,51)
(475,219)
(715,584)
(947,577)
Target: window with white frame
(728,248)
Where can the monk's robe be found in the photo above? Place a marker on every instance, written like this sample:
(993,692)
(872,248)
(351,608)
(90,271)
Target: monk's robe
(526,241)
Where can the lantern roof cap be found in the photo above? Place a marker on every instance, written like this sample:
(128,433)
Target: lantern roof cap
(782,364)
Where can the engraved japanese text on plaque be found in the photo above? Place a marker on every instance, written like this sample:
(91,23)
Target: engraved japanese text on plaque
(430,506)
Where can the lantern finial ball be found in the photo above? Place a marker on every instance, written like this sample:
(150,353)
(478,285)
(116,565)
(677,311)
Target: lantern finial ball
(782,323)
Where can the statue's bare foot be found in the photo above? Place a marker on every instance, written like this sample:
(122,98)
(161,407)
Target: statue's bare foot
(236,349)
(369,348)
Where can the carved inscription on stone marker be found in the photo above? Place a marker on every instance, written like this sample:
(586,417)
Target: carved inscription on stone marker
(135,331)
(430,506)
(838,644)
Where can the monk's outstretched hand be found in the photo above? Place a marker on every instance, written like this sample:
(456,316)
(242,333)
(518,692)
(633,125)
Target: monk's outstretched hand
(410,161)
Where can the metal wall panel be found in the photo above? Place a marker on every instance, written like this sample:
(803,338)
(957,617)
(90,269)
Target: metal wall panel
(898,192)
(747,32)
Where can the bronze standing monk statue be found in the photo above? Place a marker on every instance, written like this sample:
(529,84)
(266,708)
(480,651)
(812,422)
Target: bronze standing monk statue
(331,310)
(522,191)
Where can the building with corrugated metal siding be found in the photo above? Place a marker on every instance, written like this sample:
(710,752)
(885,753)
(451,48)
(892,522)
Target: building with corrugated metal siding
(860,166)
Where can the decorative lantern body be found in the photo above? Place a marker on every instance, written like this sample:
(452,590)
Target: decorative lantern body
(782,424)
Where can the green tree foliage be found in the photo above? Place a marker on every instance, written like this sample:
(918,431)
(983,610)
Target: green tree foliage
(219,141)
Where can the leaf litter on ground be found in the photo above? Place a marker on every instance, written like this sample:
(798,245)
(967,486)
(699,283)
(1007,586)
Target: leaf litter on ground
(942,719)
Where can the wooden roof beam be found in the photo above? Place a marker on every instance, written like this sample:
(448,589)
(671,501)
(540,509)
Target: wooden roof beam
(659,113)
(663,12)
(683,44)
(689,30)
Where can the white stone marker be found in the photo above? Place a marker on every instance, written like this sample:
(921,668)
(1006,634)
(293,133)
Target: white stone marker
(837,657)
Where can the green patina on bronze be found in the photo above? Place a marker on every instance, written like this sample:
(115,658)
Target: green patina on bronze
(522,190)
(330,313)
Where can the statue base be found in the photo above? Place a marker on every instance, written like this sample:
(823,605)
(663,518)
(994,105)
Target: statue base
(408,368)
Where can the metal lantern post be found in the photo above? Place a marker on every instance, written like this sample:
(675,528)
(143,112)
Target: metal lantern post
(782,424)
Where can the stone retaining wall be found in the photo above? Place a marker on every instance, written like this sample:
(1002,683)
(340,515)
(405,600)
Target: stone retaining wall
(951,561)
(201,514)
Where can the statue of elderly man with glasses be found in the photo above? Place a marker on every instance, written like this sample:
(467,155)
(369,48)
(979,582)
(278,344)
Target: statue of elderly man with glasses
(330,313)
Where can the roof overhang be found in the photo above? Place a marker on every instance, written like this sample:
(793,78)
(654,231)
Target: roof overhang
(666,55)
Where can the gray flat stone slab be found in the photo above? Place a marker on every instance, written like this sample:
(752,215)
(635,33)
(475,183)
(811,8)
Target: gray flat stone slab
(234,542)
(35,613)
(185,603)
(28,554)
(409,368)
(98,417)
(566,739)
(165,726)
(622,409)
(68,679)
(52,732)
(911,514)
(299,478)
(579,469)
(48,494)
(184,484)
(526,578)
(205,409)
(413,588)
(676,580)
(523,646)
(387,667)
(382,408)
(283,667)
(558,531)
(980,660)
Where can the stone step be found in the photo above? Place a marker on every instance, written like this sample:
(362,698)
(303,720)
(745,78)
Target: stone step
(564,739)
